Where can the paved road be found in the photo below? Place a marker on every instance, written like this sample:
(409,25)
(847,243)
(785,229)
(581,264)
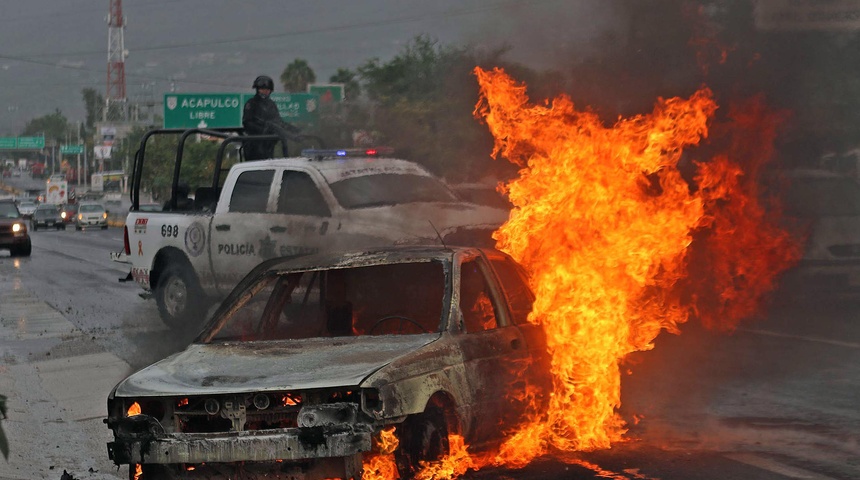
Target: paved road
(775,400)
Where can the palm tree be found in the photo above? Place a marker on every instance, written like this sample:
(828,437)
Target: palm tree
(297,75)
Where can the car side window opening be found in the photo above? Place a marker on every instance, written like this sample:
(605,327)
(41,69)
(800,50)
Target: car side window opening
(520,297)
(299,195)
(479,311)
(251,192)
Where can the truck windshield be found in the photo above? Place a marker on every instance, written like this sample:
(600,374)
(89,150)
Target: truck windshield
(7,210)
(389,189)
(391,299)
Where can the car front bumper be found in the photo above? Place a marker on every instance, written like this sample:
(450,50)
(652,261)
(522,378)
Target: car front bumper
(92,222)
(248,446)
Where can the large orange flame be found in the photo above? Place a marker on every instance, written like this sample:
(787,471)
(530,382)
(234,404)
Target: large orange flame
(605,222)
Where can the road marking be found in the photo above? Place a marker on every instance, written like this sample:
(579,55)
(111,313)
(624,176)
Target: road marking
(775,467)
(827,341)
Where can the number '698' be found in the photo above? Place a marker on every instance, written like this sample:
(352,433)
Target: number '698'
(170,230)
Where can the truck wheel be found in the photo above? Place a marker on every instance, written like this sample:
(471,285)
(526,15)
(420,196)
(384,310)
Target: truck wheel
(180,300)
(424,438)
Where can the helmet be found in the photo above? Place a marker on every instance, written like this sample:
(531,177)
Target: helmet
(263,82)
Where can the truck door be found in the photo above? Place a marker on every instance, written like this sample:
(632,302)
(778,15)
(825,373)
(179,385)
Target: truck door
(239,234)
(303,218)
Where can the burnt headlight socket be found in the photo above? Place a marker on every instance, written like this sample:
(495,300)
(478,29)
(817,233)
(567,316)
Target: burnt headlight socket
(262,401)
(211,406)
(371,401)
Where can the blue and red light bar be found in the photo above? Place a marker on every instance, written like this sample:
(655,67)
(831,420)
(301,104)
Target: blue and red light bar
(347,152)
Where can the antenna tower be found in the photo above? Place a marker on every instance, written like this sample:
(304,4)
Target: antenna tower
(116,64)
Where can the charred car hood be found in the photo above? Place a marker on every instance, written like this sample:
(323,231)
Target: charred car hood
(238,367)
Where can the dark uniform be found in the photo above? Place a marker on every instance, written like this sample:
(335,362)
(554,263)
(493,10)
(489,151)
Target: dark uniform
(261,117)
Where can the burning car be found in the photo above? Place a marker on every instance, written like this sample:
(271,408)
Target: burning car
(310,357)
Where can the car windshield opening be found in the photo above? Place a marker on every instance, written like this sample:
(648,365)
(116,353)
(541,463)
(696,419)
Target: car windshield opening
(389,189)
(91,208)
(390,299)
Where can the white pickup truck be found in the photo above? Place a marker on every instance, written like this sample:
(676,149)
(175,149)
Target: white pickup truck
(321,201)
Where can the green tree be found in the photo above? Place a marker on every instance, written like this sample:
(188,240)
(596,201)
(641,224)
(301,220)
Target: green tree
(198,161)
(423,100)
(351,86)
(297,75)
(94,104)
(54,126)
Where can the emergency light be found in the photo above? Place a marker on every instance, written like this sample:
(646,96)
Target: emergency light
(347,152)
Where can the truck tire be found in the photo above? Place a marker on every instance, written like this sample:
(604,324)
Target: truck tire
(424,439)
(181,301)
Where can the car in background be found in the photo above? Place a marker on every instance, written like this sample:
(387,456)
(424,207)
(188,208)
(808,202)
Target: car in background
(150,207)
(311,357)
(27,207)
(13,230)
(822,207)
(47,216)
(16,173)
(69,212)
(7,173)
(91,215)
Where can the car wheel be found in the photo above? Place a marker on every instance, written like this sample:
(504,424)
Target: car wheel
(104,227)
(23,251)
(180,299)
(424,438)
(78,227)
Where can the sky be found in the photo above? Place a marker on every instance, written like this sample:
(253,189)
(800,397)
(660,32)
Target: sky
(52,49)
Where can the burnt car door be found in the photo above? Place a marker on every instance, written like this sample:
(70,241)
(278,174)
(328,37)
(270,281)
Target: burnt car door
(494,352)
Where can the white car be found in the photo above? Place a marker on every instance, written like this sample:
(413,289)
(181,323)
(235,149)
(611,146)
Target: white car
(824,208)
(27,208)
(91,215)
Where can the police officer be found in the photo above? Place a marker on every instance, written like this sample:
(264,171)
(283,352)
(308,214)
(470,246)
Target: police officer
(261,117)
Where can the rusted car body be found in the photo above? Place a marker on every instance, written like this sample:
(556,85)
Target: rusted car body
(309,358)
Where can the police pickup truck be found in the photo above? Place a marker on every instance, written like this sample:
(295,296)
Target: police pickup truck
(197,249)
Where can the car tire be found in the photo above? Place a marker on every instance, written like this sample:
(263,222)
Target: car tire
(78,228)
(181,302)
(23,251)
(104,227)
(424,438)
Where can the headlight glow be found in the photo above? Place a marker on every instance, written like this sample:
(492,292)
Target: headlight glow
(17,227)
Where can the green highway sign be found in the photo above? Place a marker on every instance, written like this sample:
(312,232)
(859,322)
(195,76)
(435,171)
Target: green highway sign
(224,110)
(8,142)
(203,110)
(295,108)
(71,149)
(36,143)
